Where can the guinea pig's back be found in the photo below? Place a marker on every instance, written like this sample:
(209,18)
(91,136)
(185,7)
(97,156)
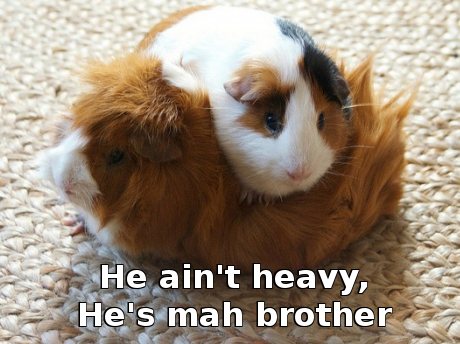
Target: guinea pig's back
(215,41)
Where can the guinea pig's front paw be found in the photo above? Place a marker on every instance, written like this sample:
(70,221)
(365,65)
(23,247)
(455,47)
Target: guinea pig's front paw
(77,223)
(181,76)
(253,197)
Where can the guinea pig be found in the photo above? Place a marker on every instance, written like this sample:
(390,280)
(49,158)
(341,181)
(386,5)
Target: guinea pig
(122,161)
(142,163)
(280,105)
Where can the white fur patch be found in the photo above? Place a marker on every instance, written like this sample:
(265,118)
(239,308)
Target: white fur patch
(181,76)
(67,168)
(92,223)
(107,234)
(218,40)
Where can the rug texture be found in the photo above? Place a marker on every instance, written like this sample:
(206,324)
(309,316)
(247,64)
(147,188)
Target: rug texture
(412,264)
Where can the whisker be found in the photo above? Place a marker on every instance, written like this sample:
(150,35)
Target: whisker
(355,146)
(342,163)
(340,125)
(323,180)
(216,108)
(359,105)
(339,174)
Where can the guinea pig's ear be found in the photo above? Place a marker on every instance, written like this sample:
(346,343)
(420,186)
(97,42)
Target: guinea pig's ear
(156,149)
(240,89)
(254,81)
(343,93)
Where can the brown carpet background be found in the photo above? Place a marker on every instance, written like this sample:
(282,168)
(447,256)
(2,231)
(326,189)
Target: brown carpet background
(411,264)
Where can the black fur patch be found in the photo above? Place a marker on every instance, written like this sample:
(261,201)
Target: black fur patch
(324,71)
(294,31)
(319,66)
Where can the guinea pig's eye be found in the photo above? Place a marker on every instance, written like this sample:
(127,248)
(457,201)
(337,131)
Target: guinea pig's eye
(321,120)
(115,157)
(273,123)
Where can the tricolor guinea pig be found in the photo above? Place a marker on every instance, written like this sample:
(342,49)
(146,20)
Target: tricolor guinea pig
(280,104)
(141,162)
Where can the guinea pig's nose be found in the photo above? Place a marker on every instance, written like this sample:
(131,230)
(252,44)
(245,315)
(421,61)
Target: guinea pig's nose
(299,173)
(67,187)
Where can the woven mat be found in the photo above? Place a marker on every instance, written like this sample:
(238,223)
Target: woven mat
(412,264)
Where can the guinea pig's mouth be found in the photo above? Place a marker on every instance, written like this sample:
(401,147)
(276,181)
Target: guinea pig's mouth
(68,180)
(81,194)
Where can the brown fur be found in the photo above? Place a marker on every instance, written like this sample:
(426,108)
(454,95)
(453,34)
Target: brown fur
(266,94)
(254,117)
(263,79)
(188,208)
(166,24)
(336,128)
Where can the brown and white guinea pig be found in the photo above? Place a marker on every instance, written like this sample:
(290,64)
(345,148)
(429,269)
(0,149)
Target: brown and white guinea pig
(279,103)
(142,163)
(136,156)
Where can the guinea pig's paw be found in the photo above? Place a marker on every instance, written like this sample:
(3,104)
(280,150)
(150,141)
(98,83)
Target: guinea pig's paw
(189,62)
(253,197)
(76,222)
(181,77)
(249,197)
